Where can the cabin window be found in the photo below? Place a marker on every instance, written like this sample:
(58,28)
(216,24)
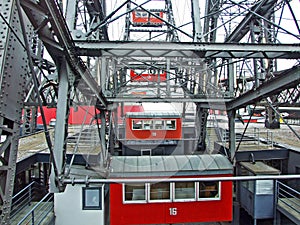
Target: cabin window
(209,189)
(134,192)
(184,191)
(171,124)
(174,191)
(136,124)
(92,198)
(147,125)
(138,14)
(155,13)
(160,191)
(159,125)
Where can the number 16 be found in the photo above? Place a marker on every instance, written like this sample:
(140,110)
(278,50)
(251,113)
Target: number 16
(173,211)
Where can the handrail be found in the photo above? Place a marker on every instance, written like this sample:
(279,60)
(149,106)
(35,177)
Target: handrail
(288,193)
(23,198)
(16,195)
(31,212)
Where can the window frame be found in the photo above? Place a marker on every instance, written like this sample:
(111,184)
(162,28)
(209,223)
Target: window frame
(133,120)
(134,201)
(162,123)
(84,198)
(150,124)
(184,199)
(166,125)
(209,198)
(170,199)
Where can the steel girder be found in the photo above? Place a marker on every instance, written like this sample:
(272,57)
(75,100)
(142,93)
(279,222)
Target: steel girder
(188,50)
(274,86)
(13,76)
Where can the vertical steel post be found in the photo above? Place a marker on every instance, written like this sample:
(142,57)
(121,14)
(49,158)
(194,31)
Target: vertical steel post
(61,127)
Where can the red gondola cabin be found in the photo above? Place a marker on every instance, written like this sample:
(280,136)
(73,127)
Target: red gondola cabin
(141,18)
(148,77)
(153,133)
(168,202)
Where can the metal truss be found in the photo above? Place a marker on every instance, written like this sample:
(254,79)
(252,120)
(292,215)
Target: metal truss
(228,57)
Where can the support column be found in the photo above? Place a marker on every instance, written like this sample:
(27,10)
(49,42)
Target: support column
(231,125)
(13,81)
(103,136)
(197,29)
(61,129)
(103,74)
(168,77)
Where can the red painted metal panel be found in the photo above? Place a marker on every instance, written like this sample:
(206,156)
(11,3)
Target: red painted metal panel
(77,116)
(50,113)
(159,213)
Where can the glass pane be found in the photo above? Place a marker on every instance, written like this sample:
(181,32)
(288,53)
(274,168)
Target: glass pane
(147,124)
(209,189)
(92,198)
(185,190)
(158,124)
(160,191)
(135,192)
(171,124)
(136,124)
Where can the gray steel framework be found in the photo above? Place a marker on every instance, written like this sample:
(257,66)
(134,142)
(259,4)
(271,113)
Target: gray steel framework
(85,65)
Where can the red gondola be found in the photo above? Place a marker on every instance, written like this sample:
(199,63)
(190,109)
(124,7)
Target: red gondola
(152,133)
(168,202)
(142,18)
(148,77)
(153,126)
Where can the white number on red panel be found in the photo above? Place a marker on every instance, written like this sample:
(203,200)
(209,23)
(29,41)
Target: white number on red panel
(173,211)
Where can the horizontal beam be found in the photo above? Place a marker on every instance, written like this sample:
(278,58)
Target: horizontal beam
(287,79)
(188,50)
(177,179)
(244,156)
(207,101)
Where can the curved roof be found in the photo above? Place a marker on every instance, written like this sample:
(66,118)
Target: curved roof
(170,165)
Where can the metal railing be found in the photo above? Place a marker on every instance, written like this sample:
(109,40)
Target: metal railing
(41,212)
(25,197)
(287,198)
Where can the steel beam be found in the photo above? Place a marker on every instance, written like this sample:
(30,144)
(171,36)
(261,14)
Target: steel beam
(61,128)
(188,50)
(204,100)
(285,80)
(13,78)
